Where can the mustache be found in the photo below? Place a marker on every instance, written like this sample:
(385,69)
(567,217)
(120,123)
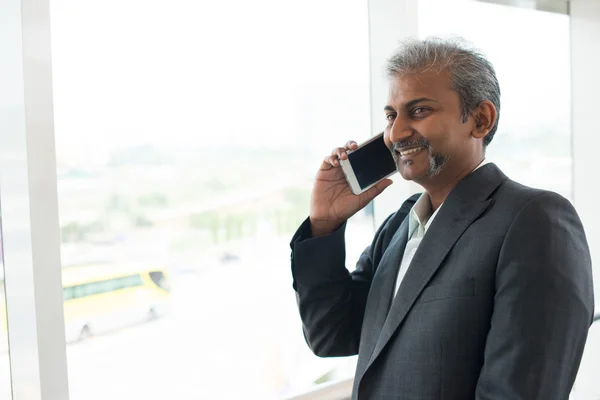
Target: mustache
(410,143)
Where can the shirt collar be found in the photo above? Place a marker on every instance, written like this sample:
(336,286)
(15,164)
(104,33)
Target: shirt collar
(420,214)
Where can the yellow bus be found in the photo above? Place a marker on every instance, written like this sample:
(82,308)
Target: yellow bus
(104,297)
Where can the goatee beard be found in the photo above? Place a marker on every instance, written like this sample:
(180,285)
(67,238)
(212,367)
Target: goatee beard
(436,162)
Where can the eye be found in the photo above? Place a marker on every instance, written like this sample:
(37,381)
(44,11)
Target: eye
(390,117)
(420,111)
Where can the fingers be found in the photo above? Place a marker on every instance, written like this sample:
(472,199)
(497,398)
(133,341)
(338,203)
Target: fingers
(332,160)
(351,145)
(340,153)
(329,162)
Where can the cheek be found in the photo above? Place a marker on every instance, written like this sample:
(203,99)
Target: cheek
(436,133)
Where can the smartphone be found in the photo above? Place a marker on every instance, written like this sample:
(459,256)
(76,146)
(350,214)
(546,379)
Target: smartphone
(371,162)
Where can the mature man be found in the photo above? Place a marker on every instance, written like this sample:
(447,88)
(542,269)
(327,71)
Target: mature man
(479,288)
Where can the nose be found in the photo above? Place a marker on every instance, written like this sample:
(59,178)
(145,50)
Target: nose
(400,130)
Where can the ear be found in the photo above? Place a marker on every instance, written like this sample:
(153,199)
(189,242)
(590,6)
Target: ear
(485,117)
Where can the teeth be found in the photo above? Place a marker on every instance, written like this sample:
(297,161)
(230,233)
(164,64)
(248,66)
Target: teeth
(411,151)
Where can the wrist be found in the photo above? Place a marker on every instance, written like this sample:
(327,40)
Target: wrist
(322,228)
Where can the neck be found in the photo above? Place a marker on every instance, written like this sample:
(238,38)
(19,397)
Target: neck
(439,186)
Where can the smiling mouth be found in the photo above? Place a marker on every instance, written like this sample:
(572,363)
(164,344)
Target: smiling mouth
(411,151)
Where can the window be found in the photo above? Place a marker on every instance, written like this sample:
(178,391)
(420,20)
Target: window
(5,384)
(533,142)
(106,286)
(5,381)
(188,136)
(158,278)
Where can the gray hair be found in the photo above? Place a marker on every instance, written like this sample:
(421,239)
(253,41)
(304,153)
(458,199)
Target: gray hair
(472,76)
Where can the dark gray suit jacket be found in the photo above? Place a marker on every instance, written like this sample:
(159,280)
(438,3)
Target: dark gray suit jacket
(496,304)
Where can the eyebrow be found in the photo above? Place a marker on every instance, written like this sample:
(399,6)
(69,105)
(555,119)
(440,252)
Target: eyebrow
(410,104)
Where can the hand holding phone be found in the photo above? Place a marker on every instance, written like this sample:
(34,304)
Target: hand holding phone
(333,201)
(368,164)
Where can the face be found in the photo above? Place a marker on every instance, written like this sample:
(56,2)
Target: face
(425,132)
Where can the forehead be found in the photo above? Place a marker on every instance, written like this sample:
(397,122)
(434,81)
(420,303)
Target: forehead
(430,84)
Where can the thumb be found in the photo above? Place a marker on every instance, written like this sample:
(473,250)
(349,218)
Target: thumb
(377,189)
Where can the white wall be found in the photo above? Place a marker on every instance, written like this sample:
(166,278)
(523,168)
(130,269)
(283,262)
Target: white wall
(585,48)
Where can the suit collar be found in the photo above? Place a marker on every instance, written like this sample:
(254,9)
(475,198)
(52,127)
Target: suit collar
(422,212)
(467,201)
(478,185)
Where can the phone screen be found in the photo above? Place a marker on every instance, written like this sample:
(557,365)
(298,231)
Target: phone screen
(372,162)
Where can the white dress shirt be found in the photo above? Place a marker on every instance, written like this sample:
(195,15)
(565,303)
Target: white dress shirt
(420,218)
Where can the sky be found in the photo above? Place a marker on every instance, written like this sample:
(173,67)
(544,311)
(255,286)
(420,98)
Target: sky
(268,72)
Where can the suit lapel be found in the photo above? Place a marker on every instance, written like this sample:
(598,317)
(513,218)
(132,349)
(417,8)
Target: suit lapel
(462,207)
(382,288)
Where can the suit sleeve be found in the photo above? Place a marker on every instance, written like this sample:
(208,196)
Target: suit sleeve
(331,300)
(543,306)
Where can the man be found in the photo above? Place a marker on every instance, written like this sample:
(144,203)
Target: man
(480,288)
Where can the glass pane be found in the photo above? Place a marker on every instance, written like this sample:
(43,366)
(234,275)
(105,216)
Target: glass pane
(532,61)
(188,136)
(5,381)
